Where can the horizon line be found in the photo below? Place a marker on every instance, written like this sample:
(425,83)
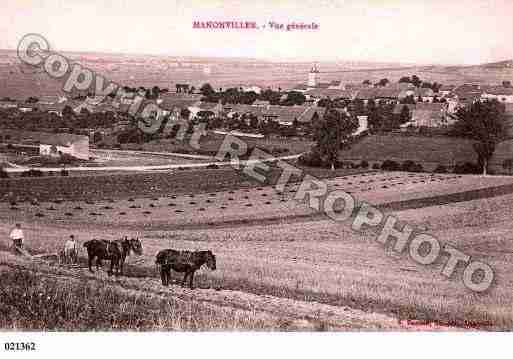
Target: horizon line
(277,60)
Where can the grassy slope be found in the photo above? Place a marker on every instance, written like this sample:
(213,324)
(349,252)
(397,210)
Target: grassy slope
(429,150)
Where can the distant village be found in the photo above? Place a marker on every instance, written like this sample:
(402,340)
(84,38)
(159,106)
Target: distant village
(77,122)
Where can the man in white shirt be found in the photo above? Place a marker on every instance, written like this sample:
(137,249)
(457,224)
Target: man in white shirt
(70,250)
(17,237)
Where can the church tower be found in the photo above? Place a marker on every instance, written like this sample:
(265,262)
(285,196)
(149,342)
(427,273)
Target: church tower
(312,76)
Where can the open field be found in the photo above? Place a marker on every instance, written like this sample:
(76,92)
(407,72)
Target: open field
(247,205)
(429,151)
(104,186)
(283,263)
(128,158)
(210,145)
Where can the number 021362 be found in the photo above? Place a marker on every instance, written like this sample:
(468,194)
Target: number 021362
(20,346)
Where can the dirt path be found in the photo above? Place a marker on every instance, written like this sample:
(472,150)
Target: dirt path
(296,315)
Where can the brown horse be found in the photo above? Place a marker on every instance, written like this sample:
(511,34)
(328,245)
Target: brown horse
(183,261)
(115,251)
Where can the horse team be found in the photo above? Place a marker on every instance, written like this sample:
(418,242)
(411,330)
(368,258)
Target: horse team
(186,262)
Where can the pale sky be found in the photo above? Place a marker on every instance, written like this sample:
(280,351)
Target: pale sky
(429,31)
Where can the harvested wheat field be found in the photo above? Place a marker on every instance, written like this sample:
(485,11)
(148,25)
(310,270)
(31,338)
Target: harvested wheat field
(280,264)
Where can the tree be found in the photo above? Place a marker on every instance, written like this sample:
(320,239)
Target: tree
(383,82)
(67,111)
(409,100)
(405,79)
(185,113)
(358,106)
(404,116)
(331,133)
(508,164)
(207,90)
(294,98)
(415,80)
(97,137)
(506,83)
(483,122)
(366,82)
(315,117)
(155,92)
(375,119)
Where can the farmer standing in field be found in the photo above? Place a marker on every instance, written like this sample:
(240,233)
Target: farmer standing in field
(70,250)
(17,238)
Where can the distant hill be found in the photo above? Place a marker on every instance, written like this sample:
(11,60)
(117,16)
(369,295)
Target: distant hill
(506,64)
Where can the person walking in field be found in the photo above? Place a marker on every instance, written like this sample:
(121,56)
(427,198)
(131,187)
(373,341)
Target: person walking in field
(17,238)
(70,250)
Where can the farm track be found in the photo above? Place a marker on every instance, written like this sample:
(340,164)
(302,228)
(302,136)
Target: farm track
(294,314)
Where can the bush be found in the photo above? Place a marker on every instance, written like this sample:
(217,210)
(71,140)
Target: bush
(279,150)
(418,168)
(3,173)
(508,164)
(408,166)
(467,168)
(212,166)
(311,159)
(364,164)
(376,166)
(389,165)
(64,173)
(32,173)
(440,169)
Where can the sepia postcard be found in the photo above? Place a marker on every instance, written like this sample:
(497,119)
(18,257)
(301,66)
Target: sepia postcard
(254,171)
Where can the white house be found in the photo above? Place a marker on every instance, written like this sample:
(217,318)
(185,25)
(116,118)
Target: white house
(500,93)
(58,144)
(255,89)
(446,90)
(8,104)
